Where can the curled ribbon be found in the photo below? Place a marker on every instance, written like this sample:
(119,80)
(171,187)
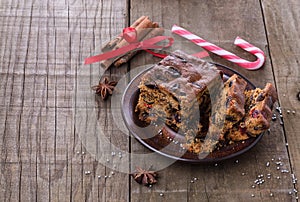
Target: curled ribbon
(130,35)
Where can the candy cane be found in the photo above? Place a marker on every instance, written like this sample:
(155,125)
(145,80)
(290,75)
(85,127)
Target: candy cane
(223,53)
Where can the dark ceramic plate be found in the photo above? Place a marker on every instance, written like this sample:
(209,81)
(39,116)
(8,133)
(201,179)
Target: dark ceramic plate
(169,145)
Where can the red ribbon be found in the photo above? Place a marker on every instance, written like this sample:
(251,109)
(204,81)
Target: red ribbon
(130,35)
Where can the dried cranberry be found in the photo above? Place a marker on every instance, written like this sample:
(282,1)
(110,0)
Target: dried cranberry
(149,106)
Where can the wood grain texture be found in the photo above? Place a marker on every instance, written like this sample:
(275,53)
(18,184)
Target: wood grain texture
(43,44)
(282,25)
(50,152)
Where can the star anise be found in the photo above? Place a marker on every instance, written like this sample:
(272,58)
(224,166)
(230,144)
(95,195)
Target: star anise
(105,88)
(144,177)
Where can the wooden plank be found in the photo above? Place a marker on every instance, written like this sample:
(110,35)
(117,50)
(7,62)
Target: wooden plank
(10,181)
(283,33)
(100,185)
(43,45)
(229,181)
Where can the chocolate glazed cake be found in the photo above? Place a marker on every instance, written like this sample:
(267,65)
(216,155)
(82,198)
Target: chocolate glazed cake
(187,94)
(175,92)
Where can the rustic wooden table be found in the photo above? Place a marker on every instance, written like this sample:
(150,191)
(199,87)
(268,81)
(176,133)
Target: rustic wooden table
(46,157)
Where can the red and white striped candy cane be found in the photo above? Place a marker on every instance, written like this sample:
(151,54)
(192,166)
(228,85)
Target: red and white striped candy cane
(223,53)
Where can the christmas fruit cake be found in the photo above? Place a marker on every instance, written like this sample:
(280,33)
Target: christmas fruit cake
(188,95)
(175,92)
(174,89)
